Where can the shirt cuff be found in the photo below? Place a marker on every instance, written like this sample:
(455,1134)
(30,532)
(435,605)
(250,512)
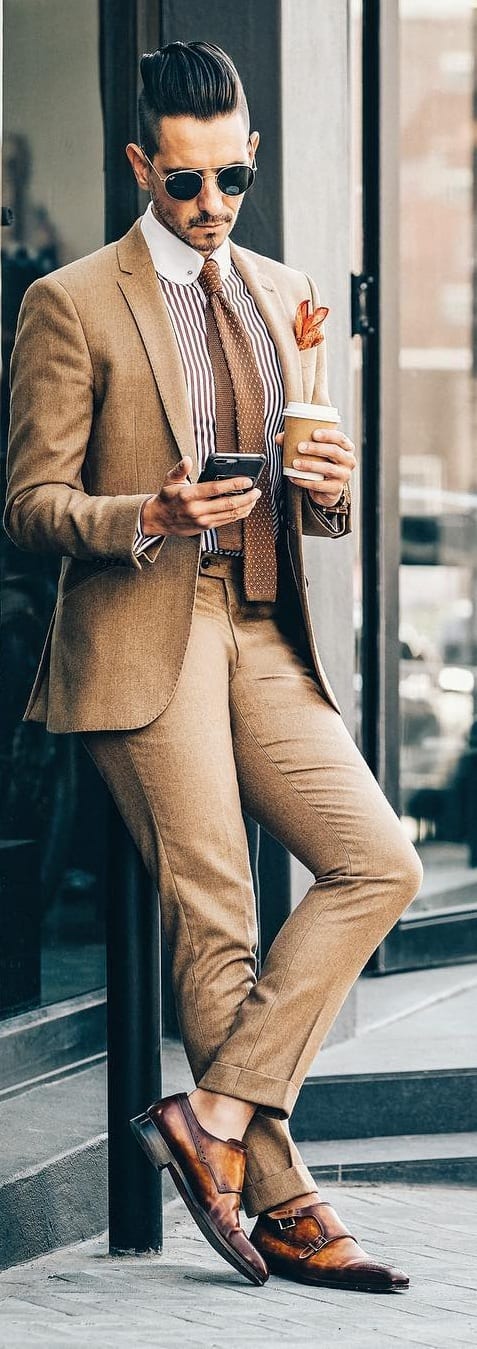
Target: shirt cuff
(144,541)
(332,516)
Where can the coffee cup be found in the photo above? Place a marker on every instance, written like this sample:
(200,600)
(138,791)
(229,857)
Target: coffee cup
(300,420)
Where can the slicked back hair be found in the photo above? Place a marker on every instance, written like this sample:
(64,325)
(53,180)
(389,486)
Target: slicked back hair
(191,79)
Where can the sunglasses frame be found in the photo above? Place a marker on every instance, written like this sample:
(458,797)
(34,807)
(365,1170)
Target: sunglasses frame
(200,174)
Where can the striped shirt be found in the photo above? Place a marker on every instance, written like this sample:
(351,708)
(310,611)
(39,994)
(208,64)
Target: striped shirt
(186,303)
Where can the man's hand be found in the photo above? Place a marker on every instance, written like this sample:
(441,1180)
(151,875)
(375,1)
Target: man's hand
(186,508)
(330,453)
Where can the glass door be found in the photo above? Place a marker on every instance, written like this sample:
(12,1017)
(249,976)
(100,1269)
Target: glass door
(438,368)
(52,862)
(419,674)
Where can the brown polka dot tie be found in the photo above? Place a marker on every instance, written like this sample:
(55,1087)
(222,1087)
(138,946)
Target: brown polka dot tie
(240,412)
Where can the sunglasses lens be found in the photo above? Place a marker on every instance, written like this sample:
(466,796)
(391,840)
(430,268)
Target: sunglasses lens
(235,180)
(183,186)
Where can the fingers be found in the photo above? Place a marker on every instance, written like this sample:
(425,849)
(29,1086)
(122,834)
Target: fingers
(186,508)
(322,468)
(195,500)
(180,470)
(323,455)
(323,440)
(334,438)
(332,445)
(186,491)
(223,488)
(186,512)
(332,462)
(223,510)
(328,492)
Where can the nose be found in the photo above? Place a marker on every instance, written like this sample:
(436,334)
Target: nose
(210,198)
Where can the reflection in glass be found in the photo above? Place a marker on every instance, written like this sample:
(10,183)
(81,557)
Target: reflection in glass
(52,860)
(356,129)
(438,360)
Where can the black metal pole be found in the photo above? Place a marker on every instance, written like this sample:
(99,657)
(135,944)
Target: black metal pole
(274,889)
(134,1042)
(270,866)
(119,88)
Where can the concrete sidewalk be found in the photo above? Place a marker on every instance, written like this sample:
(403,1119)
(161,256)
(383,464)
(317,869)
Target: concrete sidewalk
(79,1297)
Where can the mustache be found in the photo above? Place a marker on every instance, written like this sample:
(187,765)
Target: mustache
(205,219)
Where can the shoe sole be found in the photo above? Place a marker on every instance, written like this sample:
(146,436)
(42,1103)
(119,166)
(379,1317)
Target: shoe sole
(347,1285)
(157,1150)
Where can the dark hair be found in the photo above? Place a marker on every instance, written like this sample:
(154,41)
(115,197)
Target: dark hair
(191,79)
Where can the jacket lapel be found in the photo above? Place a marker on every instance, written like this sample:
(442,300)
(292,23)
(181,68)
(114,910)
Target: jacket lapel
(143,295)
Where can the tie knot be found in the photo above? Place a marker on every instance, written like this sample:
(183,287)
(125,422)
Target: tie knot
(209,277)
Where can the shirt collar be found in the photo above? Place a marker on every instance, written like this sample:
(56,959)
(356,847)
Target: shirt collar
(174,259)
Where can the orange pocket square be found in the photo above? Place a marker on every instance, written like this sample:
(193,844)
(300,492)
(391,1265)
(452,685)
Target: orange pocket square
(308,327)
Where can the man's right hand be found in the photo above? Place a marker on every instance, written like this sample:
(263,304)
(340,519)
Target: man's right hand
(186,508)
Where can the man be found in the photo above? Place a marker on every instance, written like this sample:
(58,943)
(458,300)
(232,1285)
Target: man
(182,649)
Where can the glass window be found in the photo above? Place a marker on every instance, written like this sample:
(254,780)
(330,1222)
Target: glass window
(356,158)
(52,859)
(438,368)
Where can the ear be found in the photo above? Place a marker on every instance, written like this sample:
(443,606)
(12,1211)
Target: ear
(139,165)
(254,142)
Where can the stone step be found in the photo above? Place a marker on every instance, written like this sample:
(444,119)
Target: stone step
(53,1172)
(417,1159)
(370,1105)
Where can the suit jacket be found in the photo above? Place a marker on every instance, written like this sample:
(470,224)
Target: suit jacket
(99,414)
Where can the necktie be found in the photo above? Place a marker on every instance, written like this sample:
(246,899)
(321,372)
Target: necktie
(240,425)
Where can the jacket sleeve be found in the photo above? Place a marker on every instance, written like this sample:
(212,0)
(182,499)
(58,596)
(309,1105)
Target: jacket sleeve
(320,522)
(47,507)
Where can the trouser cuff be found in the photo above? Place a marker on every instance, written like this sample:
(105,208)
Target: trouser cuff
(274,1096)
(269,1191)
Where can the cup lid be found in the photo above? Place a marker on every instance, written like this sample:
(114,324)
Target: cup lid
(320,411)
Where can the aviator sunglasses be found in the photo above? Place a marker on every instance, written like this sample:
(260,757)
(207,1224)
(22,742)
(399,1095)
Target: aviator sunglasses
(185,184)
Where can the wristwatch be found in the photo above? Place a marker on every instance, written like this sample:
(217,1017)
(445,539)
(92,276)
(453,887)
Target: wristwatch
(343,503)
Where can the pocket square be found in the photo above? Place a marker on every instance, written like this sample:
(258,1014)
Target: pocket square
(308,327)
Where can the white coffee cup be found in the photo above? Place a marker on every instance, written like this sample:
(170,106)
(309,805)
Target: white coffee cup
(300,420)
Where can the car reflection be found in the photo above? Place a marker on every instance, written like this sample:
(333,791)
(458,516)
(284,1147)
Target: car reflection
(438,745)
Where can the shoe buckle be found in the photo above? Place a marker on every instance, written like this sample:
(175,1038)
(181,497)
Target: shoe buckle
(285,1223)
(313,1247)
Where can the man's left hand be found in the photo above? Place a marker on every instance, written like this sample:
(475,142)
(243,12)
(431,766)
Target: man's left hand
(330,453)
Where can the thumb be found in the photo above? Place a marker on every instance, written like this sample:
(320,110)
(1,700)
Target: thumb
(180,470)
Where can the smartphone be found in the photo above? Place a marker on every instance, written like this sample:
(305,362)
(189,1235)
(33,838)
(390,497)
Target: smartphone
(219,467)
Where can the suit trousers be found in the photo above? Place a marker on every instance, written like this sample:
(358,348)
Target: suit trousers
(248,728)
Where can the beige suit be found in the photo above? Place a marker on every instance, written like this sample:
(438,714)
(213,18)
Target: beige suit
(192,702)
(100,413)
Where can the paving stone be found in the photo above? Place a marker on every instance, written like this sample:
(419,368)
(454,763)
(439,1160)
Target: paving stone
(79,1297)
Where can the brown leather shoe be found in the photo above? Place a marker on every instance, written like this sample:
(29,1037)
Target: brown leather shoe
(314,1246)
(208,1173)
